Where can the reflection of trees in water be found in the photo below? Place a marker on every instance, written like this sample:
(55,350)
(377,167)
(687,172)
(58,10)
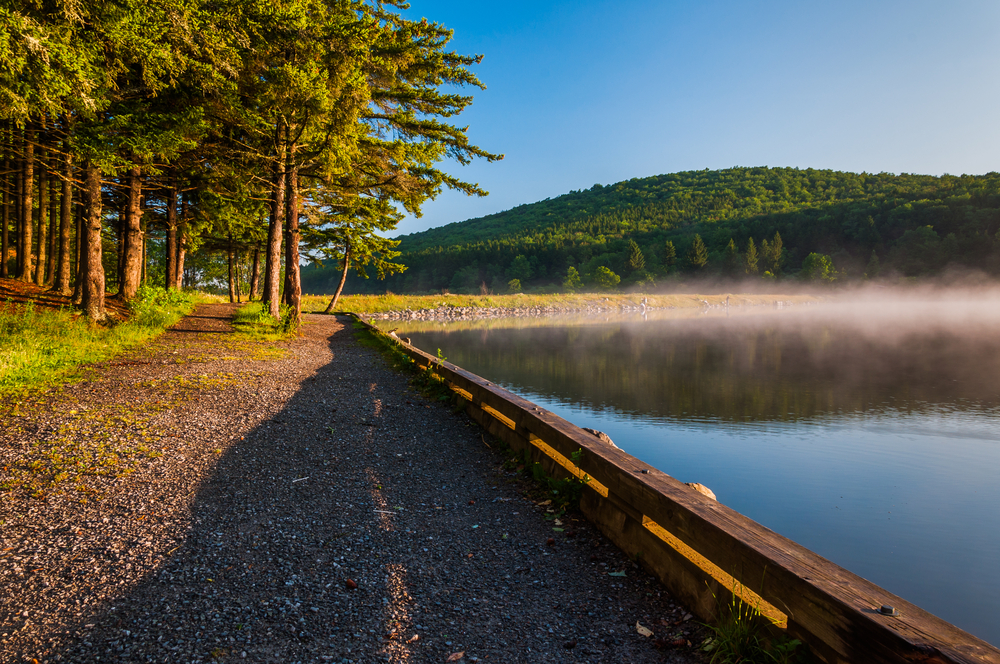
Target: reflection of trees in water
(745,370)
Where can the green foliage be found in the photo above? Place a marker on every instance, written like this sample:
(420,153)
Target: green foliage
(636,261)
(38,347)
(738,638)
(514,286)
(873,268)
(798,212)
(698,254)
(253,321)
(605,278)
(730,259)
(669,256)
(572,283)
(520,269)
(818,267)
(750,258)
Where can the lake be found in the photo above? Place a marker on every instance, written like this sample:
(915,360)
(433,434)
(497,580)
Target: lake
(867,432)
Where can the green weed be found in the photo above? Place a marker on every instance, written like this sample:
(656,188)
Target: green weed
(253,322)
(739,637)
(39,347)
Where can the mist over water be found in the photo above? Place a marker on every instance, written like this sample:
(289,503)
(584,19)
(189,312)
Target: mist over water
(867,429)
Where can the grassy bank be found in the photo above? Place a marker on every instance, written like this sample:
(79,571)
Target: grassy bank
(565,301)
(39,346)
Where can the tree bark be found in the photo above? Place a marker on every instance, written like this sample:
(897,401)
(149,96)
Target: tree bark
(272,275)
(27,184)
(232,280)
(78,250)
(170,261)
(181,247)
(93,275)
(61,282)
(293,282)
(255,277)
(18,214)
(43,208)
(7,190)
(132,235)
(50,269)
(343,280)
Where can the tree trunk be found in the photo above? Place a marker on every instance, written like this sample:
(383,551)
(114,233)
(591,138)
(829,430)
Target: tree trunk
(343,280)
(61,283)
(182,240)
(232,280)
(78,250)
(27,184)
(293,282)
(18,214)
(144,234)
(170,260)
(255,277)
(272,275)
(50,270)
(43,209)
(131,269)
(7,190)
(93,275)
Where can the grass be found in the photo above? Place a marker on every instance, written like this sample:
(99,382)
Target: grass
(41,346)
(564,301)
(739,637)
(252,322)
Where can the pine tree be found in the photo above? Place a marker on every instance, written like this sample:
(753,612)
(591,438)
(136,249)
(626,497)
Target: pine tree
(669,256)
(636,261)
(731,259)
(698,255)
(750,258)
(873,268)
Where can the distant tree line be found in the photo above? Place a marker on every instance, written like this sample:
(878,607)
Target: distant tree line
(250,130)
(739,223)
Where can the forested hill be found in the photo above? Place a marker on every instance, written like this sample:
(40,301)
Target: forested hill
(832,221)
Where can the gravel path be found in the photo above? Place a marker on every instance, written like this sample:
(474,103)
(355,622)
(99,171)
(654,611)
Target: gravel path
(291,504)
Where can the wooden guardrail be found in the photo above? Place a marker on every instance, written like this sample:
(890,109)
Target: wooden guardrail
(702,550)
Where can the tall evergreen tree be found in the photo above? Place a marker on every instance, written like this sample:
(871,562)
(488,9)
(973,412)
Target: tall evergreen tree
(750,258)
(730,259)
(698,254)
(636,262)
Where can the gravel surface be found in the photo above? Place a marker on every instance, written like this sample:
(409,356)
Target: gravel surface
(302,504)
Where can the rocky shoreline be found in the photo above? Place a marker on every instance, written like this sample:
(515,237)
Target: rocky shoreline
(475,313)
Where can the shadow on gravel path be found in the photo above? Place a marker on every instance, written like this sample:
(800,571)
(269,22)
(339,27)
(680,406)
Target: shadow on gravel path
(356,521)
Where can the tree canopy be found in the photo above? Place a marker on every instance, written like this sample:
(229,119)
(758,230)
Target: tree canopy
(238,126)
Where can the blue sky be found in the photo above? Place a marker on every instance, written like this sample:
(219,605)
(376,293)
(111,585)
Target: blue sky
(592,92)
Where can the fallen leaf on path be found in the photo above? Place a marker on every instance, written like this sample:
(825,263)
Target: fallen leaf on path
(643,631)
(413,638)
(455,656)
(616,573)
(350,584)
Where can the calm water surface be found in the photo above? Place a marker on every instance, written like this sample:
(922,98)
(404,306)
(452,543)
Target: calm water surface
(870,436)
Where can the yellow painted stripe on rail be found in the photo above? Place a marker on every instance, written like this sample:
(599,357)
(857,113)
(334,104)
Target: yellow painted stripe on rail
(506,421)
(462,393)
(749,597)
(568,465)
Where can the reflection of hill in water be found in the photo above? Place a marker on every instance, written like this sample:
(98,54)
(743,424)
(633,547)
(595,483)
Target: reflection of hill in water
(752,368)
